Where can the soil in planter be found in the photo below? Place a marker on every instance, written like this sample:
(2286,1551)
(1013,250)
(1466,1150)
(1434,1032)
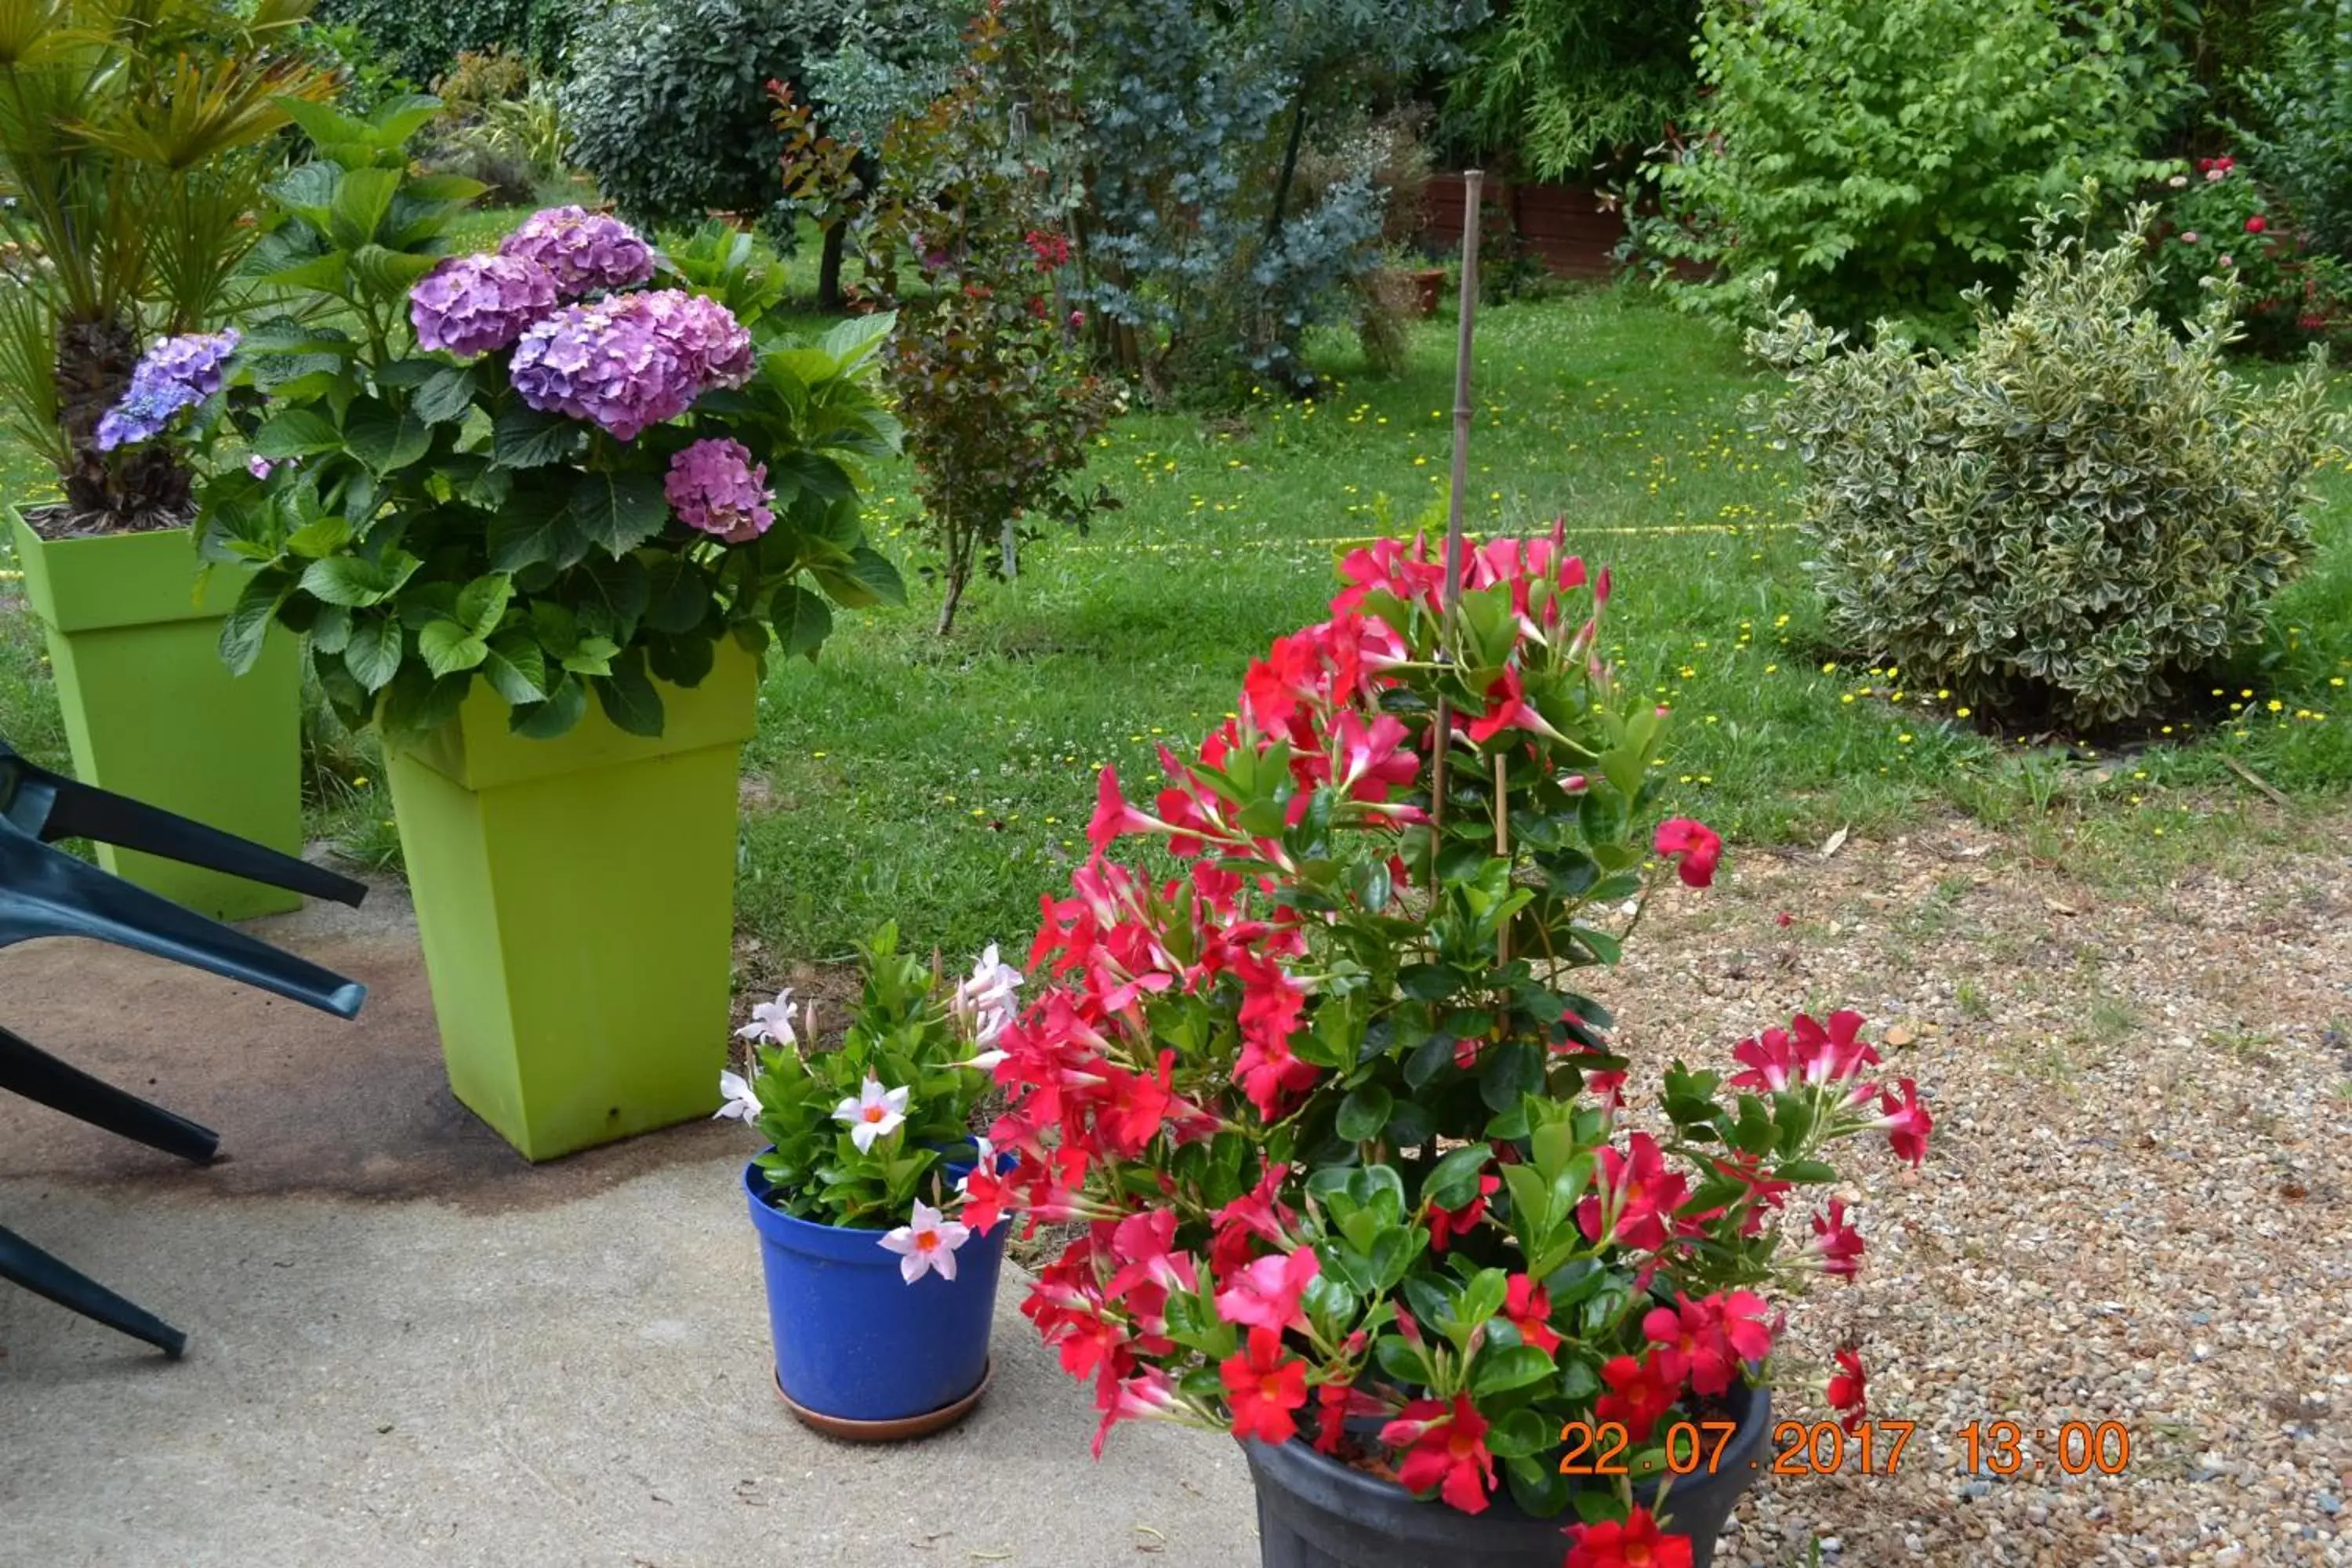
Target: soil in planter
(58,520)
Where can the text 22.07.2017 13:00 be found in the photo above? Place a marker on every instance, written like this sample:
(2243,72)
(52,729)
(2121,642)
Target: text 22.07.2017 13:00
(1873,1447)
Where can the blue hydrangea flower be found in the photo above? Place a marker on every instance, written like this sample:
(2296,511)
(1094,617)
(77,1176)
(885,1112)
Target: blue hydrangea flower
(174,374)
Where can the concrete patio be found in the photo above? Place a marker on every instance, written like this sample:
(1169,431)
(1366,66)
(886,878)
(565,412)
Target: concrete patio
(409,1347)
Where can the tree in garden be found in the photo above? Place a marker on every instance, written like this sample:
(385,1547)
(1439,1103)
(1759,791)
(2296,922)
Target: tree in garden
(974,202)
(1204,259)
(668,106)
(130,146)
(1881,156)
(1560,85)
(2299,130)
(418,38)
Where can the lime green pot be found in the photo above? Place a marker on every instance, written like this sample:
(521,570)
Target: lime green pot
(576,899)
(152,712)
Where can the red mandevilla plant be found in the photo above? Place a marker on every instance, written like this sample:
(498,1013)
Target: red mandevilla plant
(1351,1155)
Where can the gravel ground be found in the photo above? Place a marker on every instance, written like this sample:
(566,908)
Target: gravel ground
(2137,1208)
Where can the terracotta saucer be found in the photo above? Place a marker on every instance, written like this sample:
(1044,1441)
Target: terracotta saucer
(903,1429)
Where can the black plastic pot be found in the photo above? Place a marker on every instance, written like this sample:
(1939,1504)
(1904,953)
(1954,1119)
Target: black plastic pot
(1315,1512)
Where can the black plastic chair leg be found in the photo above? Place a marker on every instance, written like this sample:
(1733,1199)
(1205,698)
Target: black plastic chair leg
(52,807)
(26,1265)
(27,1070)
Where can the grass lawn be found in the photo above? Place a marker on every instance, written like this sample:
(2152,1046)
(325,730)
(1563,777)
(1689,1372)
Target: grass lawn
(947,784)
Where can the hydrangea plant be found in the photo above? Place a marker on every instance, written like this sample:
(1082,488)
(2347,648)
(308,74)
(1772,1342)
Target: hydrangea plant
(563,466)
(1354,1162)
(874,1132)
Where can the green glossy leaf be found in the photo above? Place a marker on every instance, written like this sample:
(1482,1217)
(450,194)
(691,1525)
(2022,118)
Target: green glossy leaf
(1363,1113)
(362,198)
(523,437)
(516,669)
(678,595)
(619,512)
(374,652)
(448,648)
(297,433)
(802,620)
(628,698)
(385,438)
(567,702)
(444,396)
(355,580)
(247,625)
(1501,1368)
(482,603)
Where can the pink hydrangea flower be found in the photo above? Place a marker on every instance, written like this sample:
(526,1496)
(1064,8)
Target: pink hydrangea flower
(471,305)
(631,361)
(713,486)
(583,251)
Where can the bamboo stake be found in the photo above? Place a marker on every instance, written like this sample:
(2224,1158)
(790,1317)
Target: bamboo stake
(1468,310)
(1503,844)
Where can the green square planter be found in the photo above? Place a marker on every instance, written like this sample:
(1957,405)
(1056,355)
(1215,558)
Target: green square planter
(576,899)
(152,712)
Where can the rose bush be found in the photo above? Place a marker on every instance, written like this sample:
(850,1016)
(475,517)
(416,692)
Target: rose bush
(1350,1153)
(2218,221)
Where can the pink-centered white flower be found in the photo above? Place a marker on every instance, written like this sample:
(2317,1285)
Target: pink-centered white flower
(985,1000)
(877,1112)
(771,1021)
(929,1244)
(742,1102)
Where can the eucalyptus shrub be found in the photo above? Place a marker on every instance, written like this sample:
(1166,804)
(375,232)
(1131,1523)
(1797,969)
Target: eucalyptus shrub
(1881,156)
(2065,518)
(1206,256)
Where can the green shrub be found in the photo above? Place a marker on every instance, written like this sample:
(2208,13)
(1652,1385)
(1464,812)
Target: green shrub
(479,77)
(2065,520)
(1562,84)
(418,38)
(2215,218)
(2299,138)
(1881,156)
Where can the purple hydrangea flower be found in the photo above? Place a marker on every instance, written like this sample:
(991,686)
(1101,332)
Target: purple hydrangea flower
(584,251)
(472,304)
(714,486)
(175,373)
(708,331)
(630,361)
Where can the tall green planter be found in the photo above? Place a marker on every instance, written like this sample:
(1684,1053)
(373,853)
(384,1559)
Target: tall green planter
(152,712)
(576,899)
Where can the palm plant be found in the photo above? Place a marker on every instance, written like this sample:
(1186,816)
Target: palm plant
(134,137)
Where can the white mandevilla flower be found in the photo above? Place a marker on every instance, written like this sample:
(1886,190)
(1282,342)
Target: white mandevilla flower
(984,1161)
(928,1244)
(986,1001)
(740,1101)
(771,1021)
(877,1112)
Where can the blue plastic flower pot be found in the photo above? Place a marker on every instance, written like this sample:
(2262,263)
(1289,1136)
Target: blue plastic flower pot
(857,1343)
